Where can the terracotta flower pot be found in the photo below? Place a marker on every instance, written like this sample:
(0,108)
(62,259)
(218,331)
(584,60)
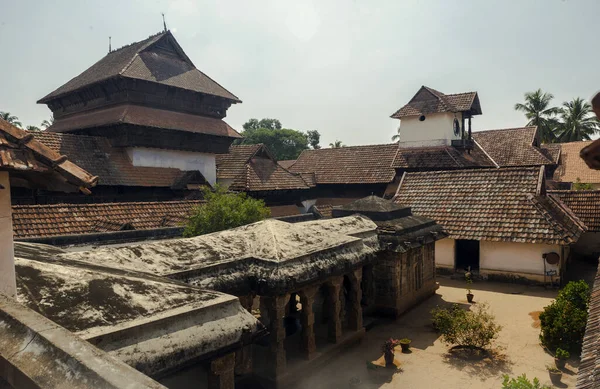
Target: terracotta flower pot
(560,363)
(405,347)
(555,377)
(470,297)
(389,358)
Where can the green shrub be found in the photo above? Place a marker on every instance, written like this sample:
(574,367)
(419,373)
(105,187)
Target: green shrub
(223,211)
(562,354)
(521,382)
(475,328)
(563,322)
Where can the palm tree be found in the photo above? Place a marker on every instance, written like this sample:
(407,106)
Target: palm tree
(11,119)
(48,123)
(539,113)
(396,137)
(577,122)
(32,128)
(336,145)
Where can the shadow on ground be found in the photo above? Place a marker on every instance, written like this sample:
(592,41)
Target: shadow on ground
(481,363)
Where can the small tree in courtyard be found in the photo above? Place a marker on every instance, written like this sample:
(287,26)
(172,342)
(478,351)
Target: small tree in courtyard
(473,329)
(522,382)
(223,211)
(563,322)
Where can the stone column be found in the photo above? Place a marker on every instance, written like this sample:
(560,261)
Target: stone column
(307,298)
(276,362)
(334,285)
(220,374)
(243,357)
(355,321)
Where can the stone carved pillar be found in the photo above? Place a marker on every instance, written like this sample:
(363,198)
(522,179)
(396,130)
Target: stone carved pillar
(276,359)
(243,357)
(307,298)
(334,285)
(220,372)
(355,320)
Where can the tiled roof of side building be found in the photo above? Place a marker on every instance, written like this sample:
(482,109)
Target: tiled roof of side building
(146,60)
(584,203)
(440,157)
(23,154)
(506,204)
(588,376)
(551,151)
(512,146)
(370,164)
(112,165)
(31,221)
(571,167)
(287,163)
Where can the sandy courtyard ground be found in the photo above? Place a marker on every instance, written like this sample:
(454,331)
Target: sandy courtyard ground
(430,365)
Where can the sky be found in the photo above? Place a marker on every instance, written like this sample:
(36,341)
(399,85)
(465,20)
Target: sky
(341,67)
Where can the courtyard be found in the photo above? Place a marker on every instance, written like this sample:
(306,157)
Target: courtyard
(431,364)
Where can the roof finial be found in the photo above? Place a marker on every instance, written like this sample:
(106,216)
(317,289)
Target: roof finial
(164,23)
(109,45)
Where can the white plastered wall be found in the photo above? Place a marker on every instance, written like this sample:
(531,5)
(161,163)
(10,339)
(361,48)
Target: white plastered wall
(184,160)
(444,253)
(436,130)
(508,257)
(8,285)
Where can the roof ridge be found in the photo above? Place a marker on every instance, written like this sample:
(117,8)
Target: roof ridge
(504,129)
(138,42)
(486,154)
(92,205)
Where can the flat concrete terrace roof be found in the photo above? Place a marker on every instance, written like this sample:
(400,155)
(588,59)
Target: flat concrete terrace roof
(270,256)
(154,324)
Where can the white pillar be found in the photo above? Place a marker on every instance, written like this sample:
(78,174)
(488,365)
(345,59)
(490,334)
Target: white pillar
(8,283)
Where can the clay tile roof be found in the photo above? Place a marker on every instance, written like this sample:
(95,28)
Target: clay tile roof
(111,164)
(512,146)
(552,152)
(504,204)
(36,221)
(584,203)
(571,166)
(157,59)
(24,155)
(287,163)
(349,165)
(440,157)
(588,376)
(428,100)
(252,169)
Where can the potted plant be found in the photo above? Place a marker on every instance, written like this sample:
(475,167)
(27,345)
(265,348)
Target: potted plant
(555,374)
(405,344)
(469,280)
(388,351)
(560,358)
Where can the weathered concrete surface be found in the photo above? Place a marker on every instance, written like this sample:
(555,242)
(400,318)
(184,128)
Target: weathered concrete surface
(37,353)
(152,323)
(272,255)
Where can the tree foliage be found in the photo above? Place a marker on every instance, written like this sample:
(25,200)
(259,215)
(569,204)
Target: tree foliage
(578,185)
(11,119)
(563,322)
(282,142)
(337,144)
(538,111)
(223,211)
(522,382)
(475,328)
(577,121)
(33,128)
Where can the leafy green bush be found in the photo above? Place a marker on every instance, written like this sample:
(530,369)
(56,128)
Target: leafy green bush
(562,354)
(475,328)
(224,210)
(521,382)
(563,322)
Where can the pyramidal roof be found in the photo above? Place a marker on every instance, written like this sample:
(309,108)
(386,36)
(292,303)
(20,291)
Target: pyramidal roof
(428,100)
(159,58)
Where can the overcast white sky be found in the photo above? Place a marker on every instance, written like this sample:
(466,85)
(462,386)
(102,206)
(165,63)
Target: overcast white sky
(340,67)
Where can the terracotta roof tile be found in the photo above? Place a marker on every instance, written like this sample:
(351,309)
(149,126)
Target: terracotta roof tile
(146,61)
(440,157)
(571,166)
(584,203)
(588,376)
(287,163)
(147,117)
(504,204)
(349,165)
(512,146)
(23,154)
(31,221)
(112,165)
(428,100)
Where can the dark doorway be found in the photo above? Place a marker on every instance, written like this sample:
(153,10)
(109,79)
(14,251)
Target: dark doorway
(467,255)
